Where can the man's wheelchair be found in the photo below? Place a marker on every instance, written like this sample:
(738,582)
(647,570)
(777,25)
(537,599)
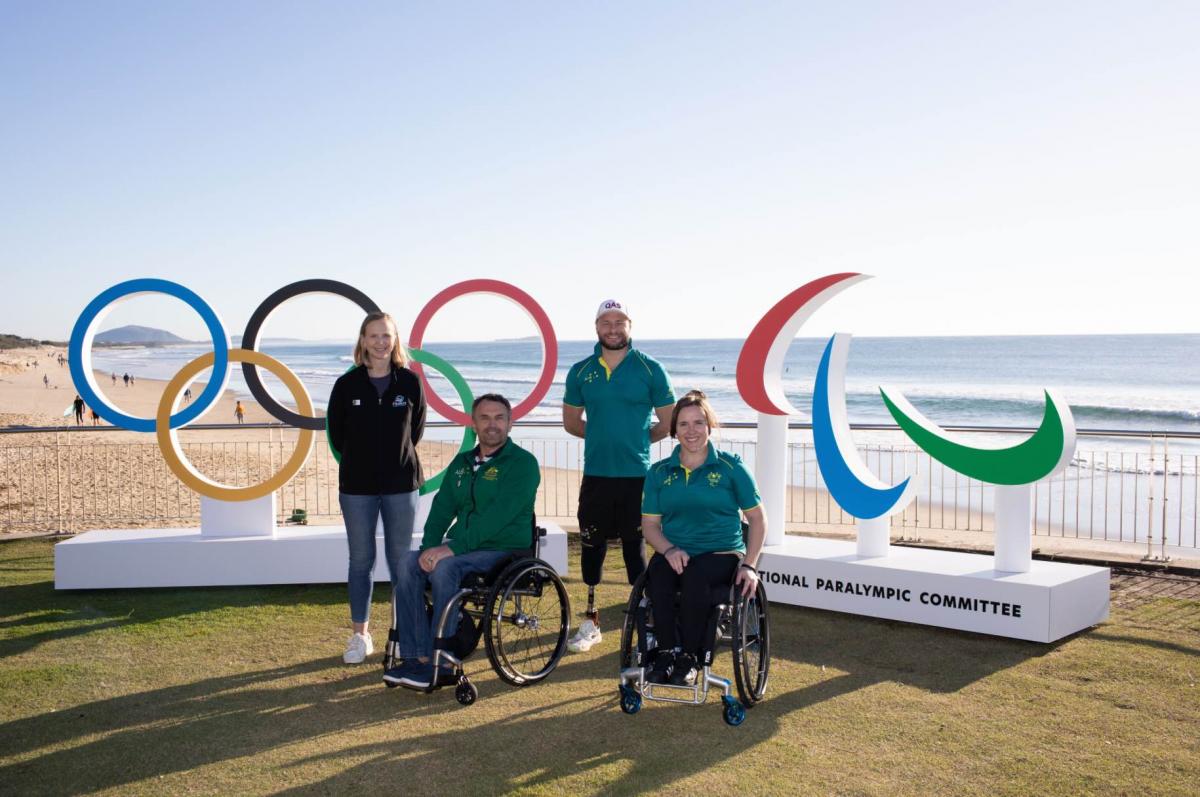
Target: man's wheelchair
(740,622)
(519,607)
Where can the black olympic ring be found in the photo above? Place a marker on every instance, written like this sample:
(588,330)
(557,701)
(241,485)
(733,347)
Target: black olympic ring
(254,326)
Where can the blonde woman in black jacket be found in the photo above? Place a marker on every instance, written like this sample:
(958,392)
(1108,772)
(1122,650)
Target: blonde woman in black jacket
(376,417)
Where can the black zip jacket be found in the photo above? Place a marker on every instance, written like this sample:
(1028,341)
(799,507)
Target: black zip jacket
(377,435)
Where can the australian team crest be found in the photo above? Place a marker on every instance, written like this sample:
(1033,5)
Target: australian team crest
(491,474)
(714,479)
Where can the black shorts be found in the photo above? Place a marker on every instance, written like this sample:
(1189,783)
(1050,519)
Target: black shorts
(610,508)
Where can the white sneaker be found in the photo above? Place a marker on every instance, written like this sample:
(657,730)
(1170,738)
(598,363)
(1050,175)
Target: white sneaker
(358,647)
(587,635)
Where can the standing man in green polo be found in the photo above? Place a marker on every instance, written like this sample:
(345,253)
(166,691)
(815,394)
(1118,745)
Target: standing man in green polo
(627,398)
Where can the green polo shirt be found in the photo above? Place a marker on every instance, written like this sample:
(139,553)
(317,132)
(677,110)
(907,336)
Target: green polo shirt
(619,406)
(700,508)
(485,506)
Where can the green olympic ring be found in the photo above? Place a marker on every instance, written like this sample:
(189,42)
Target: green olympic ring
(464,394)
(1020,464)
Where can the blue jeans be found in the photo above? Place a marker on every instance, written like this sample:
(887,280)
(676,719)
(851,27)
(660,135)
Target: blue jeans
(361,513)
(416,630)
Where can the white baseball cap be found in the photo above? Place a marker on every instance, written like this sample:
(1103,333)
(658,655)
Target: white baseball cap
(612,306)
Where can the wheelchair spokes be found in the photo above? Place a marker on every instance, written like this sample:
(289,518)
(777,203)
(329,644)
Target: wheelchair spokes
(751,647)
(527,622)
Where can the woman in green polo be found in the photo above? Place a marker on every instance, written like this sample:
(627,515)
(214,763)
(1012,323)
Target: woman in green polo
(692,508)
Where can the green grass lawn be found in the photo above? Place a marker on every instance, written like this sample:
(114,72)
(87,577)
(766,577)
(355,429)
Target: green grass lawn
(242,691)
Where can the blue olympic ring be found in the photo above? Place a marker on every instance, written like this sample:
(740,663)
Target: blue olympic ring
(80,352)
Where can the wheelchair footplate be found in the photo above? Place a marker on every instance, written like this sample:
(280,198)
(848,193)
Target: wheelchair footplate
(634,688)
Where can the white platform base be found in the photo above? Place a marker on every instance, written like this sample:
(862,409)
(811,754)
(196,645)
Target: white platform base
(939,588)
(119,558)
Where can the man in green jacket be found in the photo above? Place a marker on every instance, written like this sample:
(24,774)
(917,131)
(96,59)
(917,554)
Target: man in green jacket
(480,515)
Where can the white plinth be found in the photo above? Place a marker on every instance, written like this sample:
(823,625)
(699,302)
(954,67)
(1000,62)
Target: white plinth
(237,518)
(874,536)
(939,588)
(770,471)
(119,558)
(1014,527)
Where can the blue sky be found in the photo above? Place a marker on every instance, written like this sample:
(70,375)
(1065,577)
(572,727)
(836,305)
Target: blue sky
(1000,168)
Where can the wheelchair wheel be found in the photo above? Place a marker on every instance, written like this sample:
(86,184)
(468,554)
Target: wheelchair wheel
(526,623)
(751,646)
(633,630)
(466,692)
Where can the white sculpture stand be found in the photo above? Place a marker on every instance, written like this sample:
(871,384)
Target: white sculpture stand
(770,471)
(939,588)
(237,518)
(220,554)
(874,536)
(1014,528)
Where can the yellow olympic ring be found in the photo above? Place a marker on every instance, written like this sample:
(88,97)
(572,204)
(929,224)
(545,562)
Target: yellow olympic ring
(193,479)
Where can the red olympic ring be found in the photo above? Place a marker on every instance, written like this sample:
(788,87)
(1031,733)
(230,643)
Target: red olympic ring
(513,294)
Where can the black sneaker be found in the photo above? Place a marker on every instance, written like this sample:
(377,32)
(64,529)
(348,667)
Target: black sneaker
(684,672)
(664,663)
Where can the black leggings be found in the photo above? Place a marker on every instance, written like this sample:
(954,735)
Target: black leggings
(703,572)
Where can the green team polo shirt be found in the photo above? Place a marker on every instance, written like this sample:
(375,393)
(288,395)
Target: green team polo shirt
(700,508)
(619,405)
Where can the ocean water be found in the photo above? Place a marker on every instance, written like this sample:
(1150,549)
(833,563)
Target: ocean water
(1136,382)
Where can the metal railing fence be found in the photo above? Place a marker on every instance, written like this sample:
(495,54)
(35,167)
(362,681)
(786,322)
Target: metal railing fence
(1122,486)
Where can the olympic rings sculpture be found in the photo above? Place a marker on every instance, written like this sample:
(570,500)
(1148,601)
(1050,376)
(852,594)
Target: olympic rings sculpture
(169,418)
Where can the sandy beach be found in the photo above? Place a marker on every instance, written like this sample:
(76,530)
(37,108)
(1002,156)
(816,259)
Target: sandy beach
(26,400)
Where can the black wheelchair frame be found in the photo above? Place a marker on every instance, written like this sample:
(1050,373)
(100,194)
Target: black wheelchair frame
(511,607)
(741,622)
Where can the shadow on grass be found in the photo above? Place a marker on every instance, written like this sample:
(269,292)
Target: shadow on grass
(78,613)
(140,737)
(659,747)
(1161,644)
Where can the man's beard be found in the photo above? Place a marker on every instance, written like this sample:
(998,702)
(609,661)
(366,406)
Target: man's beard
(624,343)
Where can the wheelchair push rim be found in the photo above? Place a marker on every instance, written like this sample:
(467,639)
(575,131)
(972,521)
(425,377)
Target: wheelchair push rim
(526,622)
(751,647)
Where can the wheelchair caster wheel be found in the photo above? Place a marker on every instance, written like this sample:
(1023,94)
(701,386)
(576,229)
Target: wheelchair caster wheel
(466,692)
(734,713)
(631,701)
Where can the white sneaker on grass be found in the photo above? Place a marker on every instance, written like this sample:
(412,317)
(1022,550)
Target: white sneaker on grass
(587,635)
(358,647)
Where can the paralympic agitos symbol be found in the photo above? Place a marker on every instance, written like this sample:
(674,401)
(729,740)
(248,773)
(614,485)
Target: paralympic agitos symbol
(852,485)
(168,418)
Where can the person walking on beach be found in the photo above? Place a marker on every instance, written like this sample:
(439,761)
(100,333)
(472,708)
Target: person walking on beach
(78,405)
(95,417)
(240,412)
(187,396)
(114,377)
(46,380)
(617,387)
(126,378)
(376,417)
